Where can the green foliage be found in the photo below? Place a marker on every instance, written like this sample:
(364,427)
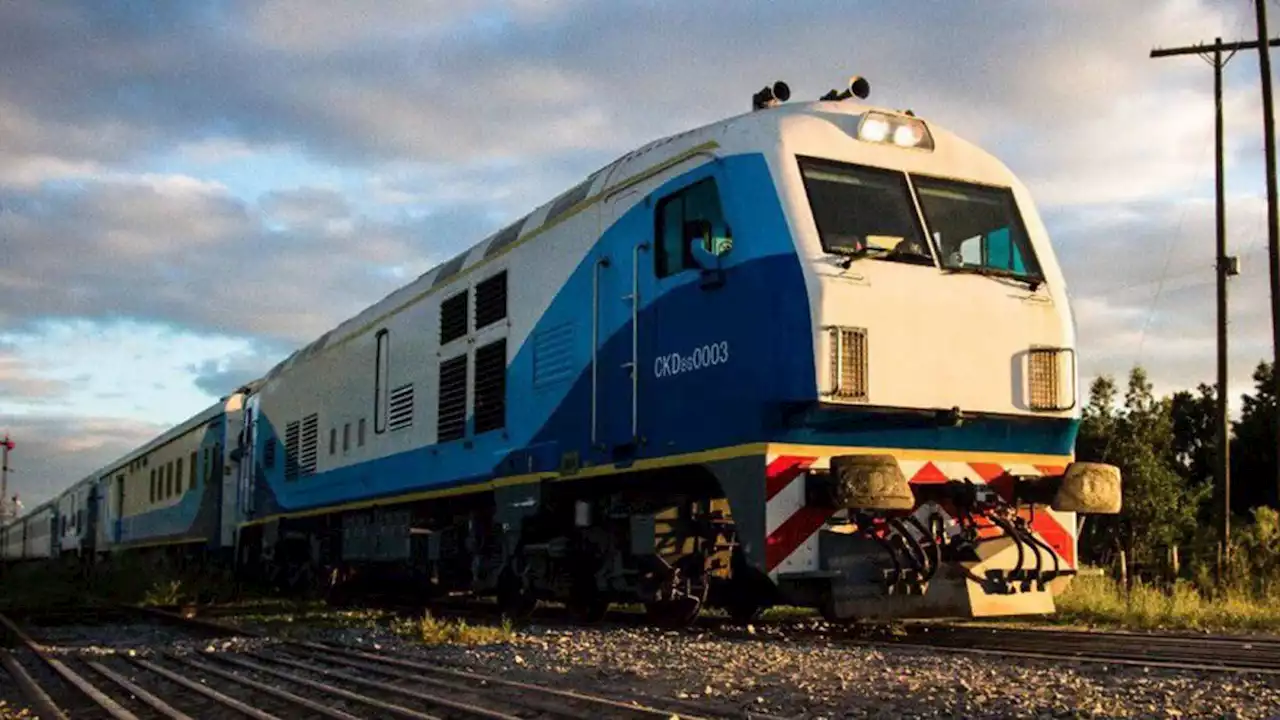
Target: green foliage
(1105,602)
(1195,441)
(433,631)
(1160,503)
(1253,458)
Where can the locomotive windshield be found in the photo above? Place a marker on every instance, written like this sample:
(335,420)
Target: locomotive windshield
(976,227)
(864,211)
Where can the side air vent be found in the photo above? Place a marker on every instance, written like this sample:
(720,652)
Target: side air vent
(401,408)
(491,386)
(310,443)
(291,436)
(451,418)
(491,300)
(453,318)
(849,363)
(1051,379)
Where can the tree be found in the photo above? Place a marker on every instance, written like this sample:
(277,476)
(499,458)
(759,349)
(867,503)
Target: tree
(1195,440)
(1253,461)
(1160,503)
(1195,433)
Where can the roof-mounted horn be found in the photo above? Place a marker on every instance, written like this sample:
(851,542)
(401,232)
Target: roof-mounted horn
(771,96)
(857,87)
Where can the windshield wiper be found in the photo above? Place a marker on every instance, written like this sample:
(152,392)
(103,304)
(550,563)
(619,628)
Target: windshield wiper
(851,254)
(1032,281)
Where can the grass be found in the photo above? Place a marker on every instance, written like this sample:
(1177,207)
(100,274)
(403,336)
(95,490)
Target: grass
(433,631)
(1102,601)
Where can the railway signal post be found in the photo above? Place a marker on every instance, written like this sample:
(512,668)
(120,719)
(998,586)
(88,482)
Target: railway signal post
(1225,266)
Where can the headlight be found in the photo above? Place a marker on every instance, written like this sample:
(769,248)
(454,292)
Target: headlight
(903,131)
(874,129)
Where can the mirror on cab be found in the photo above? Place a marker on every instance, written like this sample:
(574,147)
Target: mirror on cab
(707,247)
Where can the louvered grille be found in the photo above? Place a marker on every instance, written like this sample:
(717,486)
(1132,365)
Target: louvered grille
(1045,376)
(453,317)
(310,444)
(401,407)
(849,363)
(491,386)
(491,300)
(291,437)
(451,423)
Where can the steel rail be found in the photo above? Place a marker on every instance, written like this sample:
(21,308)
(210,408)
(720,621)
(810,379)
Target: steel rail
(572,695)
(275,692)
(39,699)
(464,707)
(326,688)
(145,696)
(111,707)
(204,690)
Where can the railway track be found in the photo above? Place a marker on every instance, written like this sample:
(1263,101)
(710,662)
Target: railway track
(1187,651)
(264,678)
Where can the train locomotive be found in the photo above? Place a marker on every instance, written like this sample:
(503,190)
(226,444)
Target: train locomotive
(816,354)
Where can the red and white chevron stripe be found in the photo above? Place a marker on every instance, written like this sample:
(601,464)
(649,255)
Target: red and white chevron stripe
(791,526)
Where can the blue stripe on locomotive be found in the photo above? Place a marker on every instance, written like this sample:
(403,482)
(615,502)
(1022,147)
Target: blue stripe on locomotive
(195,515)
(760,315)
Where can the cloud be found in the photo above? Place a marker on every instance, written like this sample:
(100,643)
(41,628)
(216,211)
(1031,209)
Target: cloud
(453,81)
(180,251)
(18,380)
(222,375)
(53,451)
(1143,290)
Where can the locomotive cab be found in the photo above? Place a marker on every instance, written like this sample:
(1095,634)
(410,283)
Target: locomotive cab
(937,453)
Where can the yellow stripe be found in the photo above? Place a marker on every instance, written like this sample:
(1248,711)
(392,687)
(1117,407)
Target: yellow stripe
(563,217)
(694,458)
(921,454)
(158,543)
(586,472)
(408,497)
(705,456)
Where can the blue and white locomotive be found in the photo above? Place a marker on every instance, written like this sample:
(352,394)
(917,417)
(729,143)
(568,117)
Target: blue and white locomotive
(819,354)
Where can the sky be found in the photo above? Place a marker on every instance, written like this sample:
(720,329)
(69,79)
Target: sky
(190,191)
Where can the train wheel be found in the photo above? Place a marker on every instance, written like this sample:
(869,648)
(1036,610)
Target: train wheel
(744,611)
(516,601)
(676,613)
(586,603)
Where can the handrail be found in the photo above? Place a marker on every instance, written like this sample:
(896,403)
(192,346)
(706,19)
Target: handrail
(635,339)
(603,262)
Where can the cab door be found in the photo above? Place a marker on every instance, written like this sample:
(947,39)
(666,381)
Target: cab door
(245,458)
(695,308)
(665,309)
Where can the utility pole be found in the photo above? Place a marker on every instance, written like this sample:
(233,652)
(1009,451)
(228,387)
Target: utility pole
(1273,243)
(5,446)
(1224,267)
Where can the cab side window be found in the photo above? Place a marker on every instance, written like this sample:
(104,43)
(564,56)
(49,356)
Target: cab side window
(692,215)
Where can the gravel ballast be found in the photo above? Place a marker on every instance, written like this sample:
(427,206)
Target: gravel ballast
(783,677)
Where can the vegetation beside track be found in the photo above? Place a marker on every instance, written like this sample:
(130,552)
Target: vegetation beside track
(1104,602)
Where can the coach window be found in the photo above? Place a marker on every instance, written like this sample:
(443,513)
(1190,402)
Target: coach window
(333,440)
(153,484)
(692,215)
(381,364)
(346,437)
(177,484)
(360,433)
(195,476)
